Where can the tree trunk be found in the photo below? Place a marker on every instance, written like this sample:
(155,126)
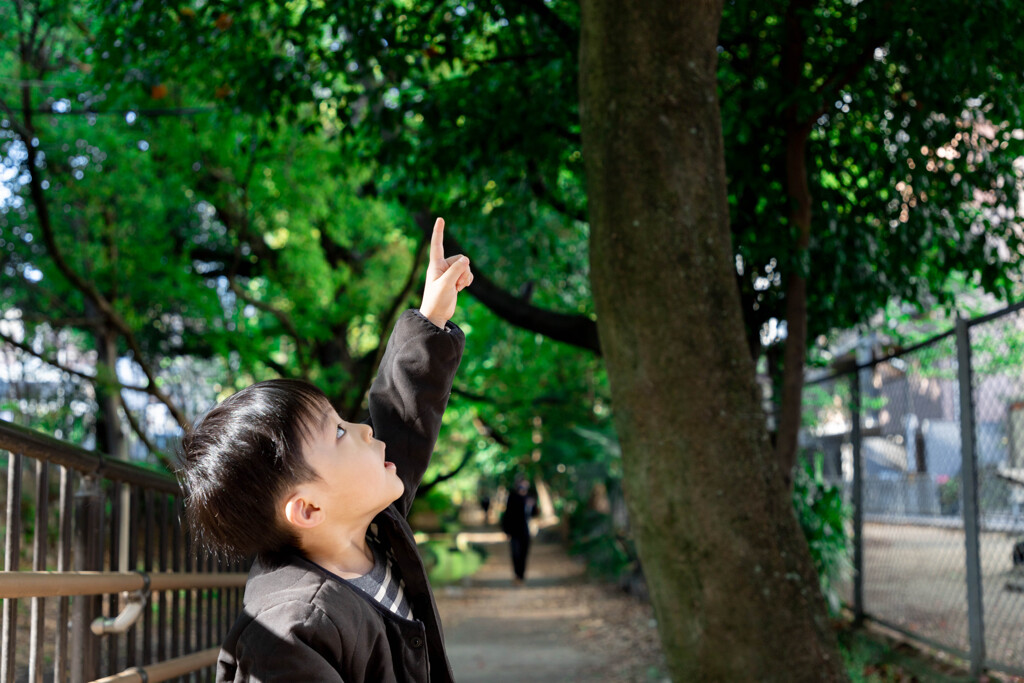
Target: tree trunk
(730,576)
(799,194)
(109,437)
(796,306)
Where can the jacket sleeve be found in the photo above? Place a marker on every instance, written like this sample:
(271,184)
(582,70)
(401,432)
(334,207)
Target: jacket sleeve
(291,642)
(409,396)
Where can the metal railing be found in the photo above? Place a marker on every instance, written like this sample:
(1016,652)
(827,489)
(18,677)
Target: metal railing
(115,588)
(928,443)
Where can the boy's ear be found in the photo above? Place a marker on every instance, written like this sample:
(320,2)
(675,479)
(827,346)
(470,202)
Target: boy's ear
(301,512)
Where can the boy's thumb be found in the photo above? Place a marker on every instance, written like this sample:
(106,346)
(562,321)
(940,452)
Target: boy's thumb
(455,271)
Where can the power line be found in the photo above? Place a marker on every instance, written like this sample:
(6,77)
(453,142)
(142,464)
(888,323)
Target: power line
(171,111)
(155,113)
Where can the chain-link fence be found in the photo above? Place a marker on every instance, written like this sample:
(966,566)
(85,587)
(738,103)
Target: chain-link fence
(928,445)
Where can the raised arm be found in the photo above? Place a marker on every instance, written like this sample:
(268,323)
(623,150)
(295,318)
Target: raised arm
(409,396)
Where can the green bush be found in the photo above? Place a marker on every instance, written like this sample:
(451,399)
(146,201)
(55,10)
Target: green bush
(449,564)
(436,500)
(823,517)
(949,495)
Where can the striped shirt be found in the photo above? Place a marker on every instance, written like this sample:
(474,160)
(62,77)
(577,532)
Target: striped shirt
(383,585)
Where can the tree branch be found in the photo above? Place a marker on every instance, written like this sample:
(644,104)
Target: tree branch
(575,330)
(484,429)
(152,388)
(476,398)
(20,129)
(63,368)
(837,81)
(57,303)
(281,316)
(335,253)
(567,33)
(508,405)
(163,459)
(467,456)
(234,219)
(388,323)
(541,190)
(516,59)
(843,76)
(210,256)
(487,429)
(276,367)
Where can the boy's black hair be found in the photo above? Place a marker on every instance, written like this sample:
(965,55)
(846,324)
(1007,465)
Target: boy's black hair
(239,461)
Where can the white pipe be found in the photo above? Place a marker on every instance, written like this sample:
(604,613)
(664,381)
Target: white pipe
(123,621)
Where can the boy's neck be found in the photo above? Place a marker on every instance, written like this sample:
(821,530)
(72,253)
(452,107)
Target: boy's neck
(344,552)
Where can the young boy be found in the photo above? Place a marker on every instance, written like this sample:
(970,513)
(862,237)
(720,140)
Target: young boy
(337,591)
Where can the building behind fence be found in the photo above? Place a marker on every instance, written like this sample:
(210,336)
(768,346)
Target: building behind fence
(929,445)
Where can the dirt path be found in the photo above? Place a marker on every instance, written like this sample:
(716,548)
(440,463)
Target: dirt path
(559,627)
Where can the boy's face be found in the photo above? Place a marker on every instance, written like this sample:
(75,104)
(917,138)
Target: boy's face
(355,480)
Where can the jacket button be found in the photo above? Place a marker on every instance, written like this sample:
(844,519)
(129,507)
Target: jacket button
(416,642)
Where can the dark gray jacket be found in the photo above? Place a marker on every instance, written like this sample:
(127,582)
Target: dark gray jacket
(302,623)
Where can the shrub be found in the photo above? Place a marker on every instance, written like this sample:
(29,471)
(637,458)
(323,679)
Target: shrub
(823,516)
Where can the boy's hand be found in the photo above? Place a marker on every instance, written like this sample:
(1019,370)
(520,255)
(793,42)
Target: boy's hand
(446,277)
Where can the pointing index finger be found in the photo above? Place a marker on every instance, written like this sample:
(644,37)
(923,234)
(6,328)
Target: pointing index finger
(437,242)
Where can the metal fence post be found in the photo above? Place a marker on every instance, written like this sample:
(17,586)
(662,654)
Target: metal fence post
(858,502)
(969,482)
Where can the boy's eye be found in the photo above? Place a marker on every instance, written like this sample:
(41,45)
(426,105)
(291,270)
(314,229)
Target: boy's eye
(341,431)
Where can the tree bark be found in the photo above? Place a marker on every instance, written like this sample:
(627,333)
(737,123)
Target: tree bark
(729,571)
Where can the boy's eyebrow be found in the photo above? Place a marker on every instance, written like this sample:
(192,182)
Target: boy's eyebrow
(323,419)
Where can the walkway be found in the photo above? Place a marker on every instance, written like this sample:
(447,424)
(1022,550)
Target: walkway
(557,628)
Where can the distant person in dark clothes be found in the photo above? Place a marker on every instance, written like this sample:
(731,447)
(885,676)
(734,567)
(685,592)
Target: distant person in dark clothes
(515,522)
(485,505)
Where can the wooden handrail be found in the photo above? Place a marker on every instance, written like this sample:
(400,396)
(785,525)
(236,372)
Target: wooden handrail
(163,671)
(55,584)
(89,506)
(40,446)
